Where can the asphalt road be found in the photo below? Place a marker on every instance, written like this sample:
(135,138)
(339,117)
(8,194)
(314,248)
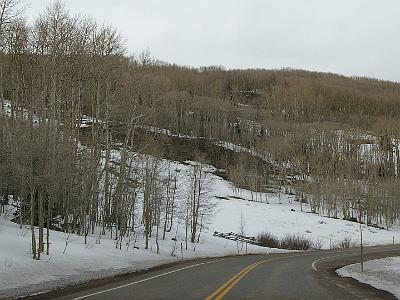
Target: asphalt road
(301,275)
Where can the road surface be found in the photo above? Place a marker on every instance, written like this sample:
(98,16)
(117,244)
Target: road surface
(299,275)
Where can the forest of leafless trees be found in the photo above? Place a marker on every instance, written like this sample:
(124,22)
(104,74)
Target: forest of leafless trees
(77,111)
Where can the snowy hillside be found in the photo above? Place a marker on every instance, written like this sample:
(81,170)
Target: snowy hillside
(71,261)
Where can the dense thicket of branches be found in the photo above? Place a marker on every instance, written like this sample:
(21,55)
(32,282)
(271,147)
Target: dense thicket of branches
(332,140)
(71,102)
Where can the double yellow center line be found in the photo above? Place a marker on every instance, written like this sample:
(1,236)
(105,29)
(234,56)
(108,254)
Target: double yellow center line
(227,286)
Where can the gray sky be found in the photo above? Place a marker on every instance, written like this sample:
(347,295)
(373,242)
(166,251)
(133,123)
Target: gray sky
(351,37)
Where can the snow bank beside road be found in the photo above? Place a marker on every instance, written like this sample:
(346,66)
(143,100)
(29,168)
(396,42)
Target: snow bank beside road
(383,274)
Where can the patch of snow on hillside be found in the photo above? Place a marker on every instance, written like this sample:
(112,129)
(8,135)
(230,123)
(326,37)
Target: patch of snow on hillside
(282,216)
(9,109)
(383,274)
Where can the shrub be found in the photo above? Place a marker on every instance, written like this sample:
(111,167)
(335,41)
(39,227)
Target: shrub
(345,243)
(296,242)
(268,240)
(290,242)
(317,245)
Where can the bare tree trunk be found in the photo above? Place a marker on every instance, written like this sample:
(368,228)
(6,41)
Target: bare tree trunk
(33,240)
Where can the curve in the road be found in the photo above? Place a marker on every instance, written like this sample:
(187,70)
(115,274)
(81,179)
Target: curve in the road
(304,275)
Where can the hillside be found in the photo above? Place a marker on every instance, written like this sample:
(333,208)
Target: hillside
(72,260)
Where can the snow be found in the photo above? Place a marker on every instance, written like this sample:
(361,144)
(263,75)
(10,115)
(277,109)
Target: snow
(87,121)
(278,218)
(383,274)
(21,275)
(7,110)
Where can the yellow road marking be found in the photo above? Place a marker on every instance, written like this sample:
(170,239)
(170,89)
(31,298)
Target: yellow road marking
(227,286)
(219,293)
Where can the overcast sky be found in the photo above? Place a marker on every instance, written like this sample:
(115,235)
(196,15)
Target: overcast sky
(351,37)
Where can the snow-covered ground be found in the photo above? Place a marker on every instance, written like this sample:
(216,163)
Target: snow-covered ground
(20,274)
(383,274)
